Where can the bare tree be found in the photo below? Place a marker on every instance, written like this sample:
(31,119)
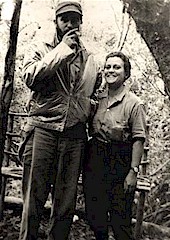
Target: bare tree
(152,18)
(6,90)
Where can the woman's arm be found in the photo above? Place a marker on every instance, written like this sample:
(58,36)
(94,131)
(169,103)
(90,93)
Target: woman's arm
(137,152)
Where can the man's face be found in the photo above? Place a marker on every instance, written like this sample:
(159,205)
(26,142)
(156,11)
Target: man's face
(68,21)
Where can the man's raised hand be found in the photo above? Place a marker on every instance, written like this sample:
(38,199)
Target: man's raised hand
(71,38)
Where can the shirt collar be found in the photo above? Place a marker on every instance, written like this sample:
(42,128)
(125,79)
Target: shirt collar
(117,98)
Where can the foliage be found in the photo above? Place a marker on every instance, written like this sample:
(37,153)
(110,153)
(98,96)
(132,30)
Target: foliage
(152,21)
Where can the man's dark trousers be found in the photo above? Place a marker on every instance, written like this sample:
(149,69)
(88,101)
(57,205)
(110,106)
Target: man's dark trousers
(50,159)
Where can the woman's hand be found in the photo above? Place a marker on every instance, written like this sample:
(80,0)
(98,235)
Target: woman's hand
(130,181)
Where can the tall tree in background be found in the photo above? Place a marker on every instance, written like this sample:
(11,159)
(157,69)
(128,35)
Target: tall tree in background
(6,89)
(152,18)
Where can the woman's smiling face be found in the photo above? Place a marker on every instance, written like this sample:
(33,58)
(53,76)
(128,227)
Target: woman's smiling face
(114,71)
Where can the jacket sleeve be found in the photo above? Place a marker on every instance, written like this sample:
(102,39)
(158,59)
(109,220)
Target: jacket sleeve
(40,64)
(97,85)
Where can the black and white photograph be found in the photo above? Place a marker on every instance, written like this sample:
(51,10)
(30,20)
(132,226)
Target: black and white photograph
(85,120)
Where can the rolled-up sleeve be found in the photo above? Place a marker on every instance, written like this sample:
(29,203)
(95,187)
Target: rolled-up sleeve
(40,63)
(138,121)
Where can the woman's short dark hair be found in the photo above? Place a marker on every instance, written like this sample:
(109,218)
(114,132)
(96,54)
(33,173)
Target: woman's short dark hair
(127,64)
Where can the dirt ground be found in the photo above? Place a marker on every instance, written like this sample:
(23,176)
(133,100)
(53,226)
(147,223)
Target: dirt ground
(10,225)
(80,230)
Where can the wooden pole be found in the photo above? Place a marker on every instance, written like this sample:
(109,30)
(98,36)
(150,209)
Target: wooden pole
(6,90)
(141,203)
(6,162)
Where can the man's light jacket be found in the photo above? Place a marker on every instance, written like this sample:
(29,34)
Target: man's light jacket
(61,84)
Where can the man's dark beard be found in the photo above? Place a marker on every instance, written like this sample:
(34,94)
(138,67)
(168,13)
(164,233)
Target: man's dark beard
(59,34)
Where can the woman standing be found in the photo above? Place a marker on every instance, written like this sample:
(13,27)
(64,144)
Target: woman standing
(114,152)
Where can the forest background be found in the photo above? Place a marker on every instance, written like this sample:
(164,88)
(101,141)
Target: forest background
(106,27)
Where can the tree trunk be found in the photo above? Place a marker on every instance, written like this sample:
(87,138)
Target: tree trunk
(8,79)
(152,18)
